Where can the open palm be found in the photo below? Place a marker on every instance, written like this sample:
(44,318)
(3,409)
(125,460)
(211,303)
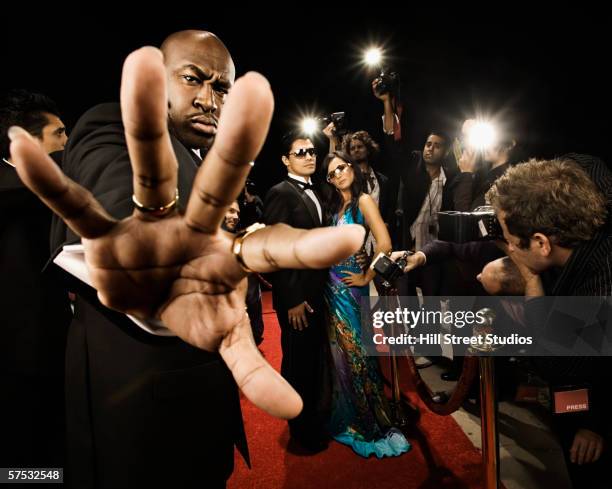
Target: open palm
(180,268)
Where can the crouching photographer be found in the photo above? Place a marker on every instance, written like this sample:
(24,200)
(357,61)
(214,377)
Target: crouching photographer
(554,219)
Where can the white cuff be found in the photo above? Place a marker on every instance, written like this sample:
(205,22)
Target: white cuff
(72,259)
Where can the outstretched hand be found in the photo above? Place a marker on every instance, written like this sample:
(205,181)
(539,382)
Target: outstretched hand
(180,268)
(413,261)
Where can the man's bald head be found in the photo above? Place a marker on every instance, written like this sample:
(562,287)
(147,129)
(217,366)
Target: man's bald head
(502,277)
(200,73)
(194,42)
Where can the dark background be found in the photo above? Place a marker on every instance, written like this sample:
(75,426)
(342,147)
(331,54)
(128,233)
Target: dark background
(553,79)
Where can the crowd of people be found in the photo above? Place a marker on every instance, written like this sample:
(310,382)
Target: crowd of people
(158,339)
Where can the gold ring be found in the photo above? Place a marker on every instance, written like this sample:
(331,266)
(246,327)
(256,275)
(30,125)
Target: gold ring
(157,211)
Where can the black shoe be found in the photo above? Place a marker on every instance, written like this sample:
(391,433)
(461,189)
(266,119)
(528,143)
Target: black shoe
(306,445)
(449,376)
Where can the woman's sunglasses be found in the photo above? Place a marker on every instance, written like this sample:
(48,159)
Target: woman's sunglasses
(339,170)
(302,152)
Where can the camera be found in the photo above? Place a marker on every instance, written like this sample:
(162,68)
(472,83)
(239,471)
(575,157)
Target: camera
(389,83)
(339,120)
(462,227)
(388,269)
(250,186)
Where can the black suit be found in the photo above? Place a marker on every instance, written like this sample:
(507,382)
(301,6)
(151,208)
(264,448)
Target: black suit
(35,316)
(304,358)
(142,410)
(386,198)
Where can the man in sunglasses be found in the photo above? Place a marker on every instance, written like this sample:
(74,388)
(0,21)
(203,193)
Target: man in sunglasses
(297,294)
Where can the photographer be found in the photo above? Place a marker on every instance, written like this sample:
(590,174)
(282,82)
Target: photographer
(479,169)
(555,219)
(424,187)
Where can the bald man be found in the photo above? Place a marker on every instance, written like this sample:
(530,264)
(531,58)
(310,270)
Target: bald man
(145,410)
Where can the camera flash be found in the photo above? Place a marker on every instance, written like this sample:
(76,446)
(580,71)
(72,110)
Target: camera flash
(482,135)
(309,125)
(373,57)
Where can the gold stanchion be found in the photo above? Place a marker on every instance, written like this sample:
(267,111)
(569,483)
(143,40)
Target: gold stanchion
(488,404)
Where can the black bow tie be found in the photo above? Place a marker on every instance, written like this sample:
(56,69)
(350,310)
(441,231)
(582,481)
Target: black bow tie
(302,185)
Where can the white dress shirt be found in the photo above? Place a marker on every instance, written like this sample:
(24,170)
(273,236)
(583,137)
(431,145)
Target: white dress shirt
(425,227)
(309,192)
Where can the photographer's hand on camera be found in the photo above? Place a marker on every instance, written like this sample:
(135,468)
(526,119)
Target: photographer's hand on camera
(387,99)
(467,162)
(385,96)
(330,133)
(416,260)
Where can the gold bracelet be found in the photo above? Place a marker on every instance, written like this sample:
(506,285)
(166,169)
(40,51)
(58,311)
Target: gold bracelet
(238,240)
(157,211)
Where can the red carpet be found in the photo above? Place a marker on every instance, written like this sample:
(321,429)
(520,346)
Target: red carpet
(441,455)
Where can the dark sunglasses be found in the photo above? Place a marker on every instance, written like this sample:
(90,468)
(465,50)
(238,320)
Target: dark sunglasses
(302,152)
(340,169)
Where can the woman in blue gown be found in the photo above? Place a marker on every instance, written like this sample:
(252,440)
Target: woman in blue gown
(360,412)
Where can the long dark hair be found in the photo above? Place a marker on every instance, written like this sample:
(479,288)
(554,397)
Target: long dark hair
(332,196)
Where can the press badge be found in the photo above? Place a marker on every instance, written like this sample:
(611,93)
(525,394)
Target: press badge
(570,401)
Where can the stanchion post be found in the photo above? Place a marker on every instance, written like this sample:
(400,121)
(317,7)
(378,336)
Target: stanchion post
(399,415)
(488,419)
(488,404)
(397,409)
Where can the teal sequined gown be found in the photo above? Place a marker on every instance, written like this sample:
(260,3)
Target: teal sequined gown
(360,412)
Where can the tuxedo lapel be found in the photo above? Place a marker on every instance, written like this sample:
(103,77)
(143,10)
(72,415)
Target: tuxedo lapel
(310,205)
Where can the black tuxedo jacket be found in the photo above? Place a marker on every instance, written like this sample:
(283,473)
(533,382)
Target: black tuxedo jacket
(141,409)
(35,309)
(287,203)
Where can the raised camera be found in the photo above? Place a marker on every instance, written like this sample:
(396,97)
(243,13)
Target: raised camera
(339,120)
(463,227)
(388,83)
